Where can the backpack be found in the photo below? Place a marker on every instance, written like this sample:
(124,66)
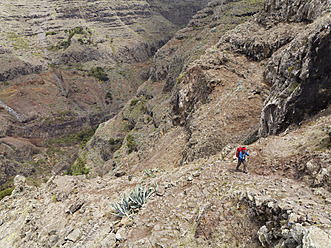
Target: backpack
(238,150)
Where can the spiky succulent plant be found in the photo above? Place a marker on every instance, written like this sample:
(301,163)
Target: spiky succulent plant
(137,198)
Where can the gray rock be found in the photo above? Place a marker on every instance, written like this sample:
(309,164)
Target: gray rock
(109,241)
(20,184)
(74,235)
(121,234)
(264,236)
(75,206)
(320,178)
(316,238)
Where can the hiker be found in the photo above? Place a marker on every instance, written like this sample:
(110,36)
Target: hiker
(241,154)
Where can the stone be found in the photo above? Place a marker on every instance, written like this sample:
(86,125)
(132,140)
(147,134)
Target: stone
(53,239)
(297,233)
(74,235)
(320,177)
(75,206)
(264,236)
(109,241)
(159,191)
(196,174)
(316,238)
(20,184)
(121,234)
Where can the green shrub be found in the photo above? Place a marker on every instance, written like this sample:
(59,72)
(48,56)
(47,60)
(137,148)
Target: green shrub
(133,102)
(179,79)
(6,192)
(290,69)
(99,73)
(66,43)
(81,138)
(111,141)
(54,199)
(77,30)
(51,33)
(80,40)
(109,97)
(115,144)
(130,143)
(78,168)
(294,86)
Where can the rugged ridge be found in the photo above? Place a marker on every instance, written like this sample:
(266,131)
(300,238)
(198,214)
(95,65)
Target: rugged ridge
(225,80)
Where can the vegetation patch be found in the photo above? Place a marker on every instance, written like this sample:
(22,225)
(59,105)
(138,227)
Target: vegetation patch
(179,79)
(115,144)
(130,143)
(17,41)
(6,192)
(51,33)
(108,98)
(77,30)
(78,168)
(293,87)
(134,102)
(81,138)
(99,73)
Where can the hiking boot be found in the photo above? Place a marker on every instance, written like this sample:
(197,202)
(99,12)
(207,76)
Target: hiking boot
(246,172)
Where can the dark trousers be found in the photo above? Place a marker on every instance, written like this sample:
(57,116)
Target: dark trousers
(239,163)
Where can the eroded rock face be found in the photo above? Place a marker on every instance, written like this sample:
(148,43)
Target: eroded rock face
(178,12)
(293,11)
(291,38)
(299,73)
(203,31)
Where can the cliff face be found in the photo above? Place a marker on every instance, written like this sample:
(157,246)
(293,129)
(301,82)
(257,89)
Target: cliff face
(299,73)
(178,12)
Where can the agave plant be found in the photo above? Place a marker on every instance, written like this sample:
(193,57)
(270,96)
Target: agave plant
(140,195)
(123,207)
(137,198)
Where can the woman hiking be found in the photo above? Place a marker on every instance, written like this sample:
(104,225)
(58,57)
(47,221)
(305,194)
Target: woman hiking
(241,158)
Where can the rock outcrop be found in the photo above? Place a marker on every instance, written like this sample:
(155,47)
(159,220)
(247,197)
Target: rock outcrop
(299,73)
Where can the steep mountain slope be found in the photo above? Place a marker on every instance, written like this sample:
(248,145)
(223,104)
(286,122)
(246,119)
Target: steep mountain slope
(228,78)
(216,100)
(67,66)
(160,125)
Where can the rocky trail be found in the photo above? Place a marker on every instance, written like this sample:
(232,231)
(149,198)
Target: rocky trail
(204,203)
